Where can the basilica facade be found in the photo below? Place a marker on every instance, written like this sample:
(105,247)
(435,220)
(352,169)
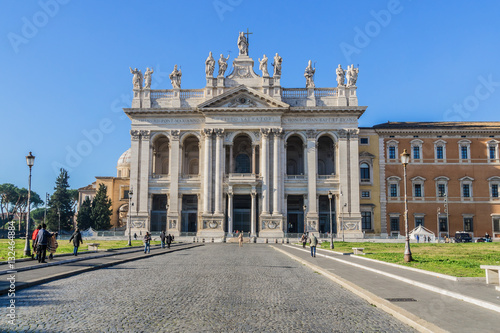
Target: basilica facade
(245,153)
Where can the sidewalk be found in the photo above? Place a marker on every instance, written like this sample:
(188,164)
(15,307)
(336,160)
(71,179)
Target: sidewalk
(427,302)
(30,273)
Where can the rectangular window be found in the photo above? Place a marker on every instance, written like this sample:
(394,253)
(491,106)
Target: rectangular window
(125,194)
(466,190)
(363,141)
(392,152)
(441,190)
(418,190)
(394,190)
(394,223)
(468,224)
(365,194)
(416,152)
(443,226)
(366,220)
(494,190)
(439,152)
(496,225)
(493,152)
(419,221)
(464,152)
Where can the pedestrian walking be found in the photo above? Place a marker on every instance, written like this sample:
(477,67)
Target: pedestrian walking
(169,240)
(240,239)
(135,236)
(162,238)
(77,240)
(313,241)
(33,238)
(418,238)
(147,242)
(303,240)
(52,245)
(42,239)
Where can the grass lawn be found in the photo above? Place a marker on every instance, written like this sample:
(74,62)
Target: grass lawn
(457,259)
(65,246)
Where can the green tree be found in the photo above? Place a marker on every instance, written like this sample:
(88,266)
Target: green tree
(37,216)
(60,204)
(7,194)
(83,218)
(101,209)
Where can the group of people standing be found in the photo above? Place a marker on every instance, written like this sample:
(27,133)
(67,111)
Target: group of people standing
(44,241)
(313,242)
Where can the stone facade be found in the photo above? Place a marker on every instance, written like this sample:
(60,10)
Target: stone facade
(244,153)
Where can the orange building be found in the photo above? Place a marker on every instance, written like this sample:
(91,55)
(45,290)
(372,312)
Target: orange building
(453,177)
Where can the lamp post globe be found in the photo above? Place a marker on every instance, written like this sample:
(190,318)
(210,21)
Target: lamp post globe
(30,161)
(405,159)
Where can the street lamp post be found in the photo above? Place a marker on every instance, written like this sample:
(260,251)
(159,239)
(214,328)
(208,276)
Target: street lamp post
(30,160)
(130,193)
(405,158)
(331,224)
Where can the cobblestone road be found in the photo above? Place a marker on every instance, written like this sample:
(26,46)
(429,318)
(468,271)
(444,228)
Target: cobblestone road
(214,288)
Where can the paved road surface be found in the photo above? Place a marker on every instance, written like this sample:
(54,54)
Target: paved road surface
(213,288)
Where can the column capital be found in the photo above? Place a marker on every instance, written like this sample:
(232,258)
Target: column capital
(278,132)
(219,132)
(135,134)
(230,190)
(145,134)
(207,132)
(353,133)
(175,134)
(265,132)
(342,133)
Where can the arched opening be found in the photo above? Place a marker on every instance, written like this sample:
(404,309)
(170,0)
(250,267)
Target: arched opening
(122,215)
(294,156)
(242,154)
(364,172)
(326,156)
(191,156)
(161,155)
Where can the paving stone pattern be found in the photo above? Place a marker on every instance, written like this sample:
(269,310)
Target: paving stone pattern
(214,288)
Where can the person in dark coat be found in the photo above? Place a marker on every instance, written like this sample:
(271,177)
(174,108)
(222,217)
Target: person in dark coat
(162,238)
(147,243)
(42,239)
(169,240)
(77,240)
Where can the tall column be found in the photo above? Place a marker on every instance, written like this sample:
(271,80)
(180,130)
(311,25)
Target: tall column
(230,210)
(343,171)
(144,173)
(134,169)
(206,170)
(253,216)
(173,209)
(218,170)
(354,172)
(231,170)
(311,171)
(264,170)
(254,156)
(276,171)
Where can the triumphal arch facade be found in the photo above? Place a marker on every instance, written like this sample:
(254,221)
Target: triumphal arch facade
(245,153)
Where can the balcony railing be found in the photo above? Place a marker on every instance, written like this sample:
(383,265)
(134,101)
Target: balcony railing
(327,177)
(296,177)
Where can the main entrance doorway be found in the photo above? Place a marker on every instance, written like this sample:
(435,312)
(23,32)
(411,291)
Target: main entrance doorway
(189,214)
(242,213)
(324,212)
(295,216)
(159,213)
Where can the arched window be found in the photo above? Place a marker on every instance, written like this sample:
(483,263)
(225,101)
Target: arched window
(294,156)
(242,163)
(191,154)
(364,172)
(326,156)
(161,155)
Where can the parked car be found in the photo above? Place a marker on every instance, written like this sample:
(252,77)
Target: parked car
(462,237)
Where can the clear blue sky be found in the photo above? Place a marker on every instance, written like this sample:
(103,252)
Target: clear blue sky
(65,70)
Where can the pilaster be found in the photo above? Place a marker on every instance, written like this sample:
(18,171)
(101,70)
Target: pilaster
(144,172)
(312,209)
(264,170)
(173,210)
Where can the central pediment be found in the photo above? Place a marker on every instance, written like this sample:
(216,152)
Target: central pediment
(242,98)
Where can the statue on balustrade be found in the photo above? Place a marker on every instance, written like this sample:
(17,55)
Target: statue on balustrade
(277,65)
(309,75)
(352,75)
(222,64)
(243,44)
(210,65)
(175,77)
(340,76)
(147,78)
(263,66)
(137,79)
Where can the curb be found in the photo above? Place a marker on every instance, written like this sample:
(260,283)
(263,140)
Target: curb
(54,277)
(438,290)
(404,316)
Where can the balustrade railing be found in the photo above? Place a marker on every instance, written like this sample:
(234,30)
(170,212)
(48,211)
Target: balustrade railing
(192,93)
(296,177)
(325,92)
(294,93)
(157,94)
(323,177)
